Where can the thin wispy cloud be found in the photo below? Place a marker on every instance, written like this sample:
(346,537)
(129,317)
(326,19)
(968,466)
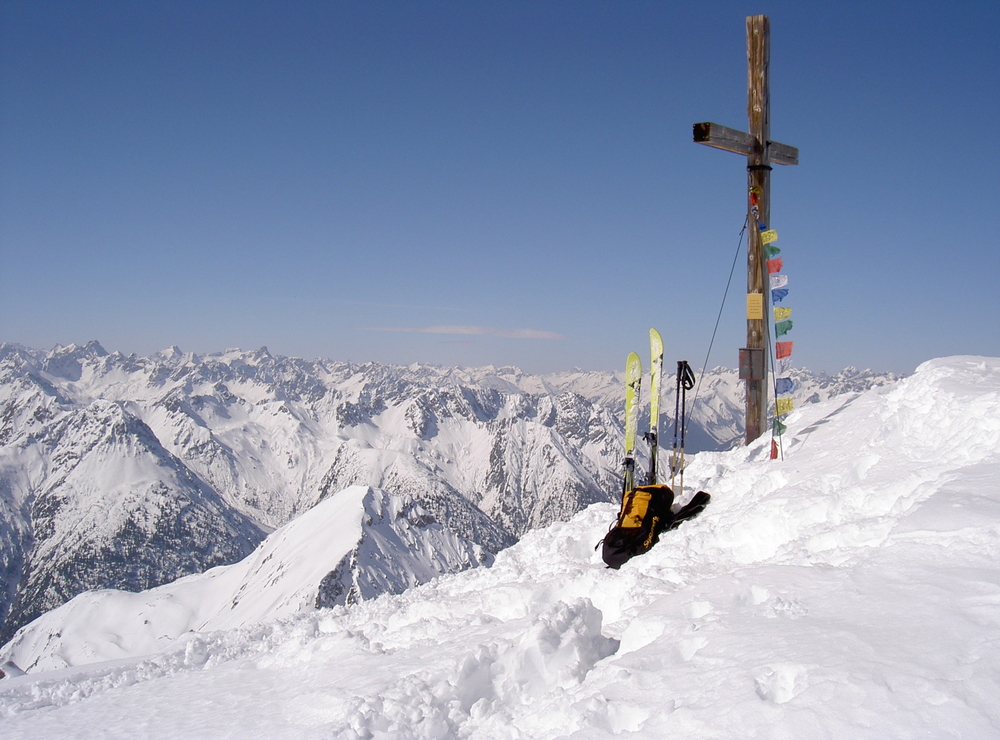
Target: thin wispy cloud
(376,304)
(482,331)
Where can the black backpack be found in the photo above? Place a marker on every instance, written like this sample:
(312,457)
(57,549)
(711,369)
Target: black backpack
(645,513)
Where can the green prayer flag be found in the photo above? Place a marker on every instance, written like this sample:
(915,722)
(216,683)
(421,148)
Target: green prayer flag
(770,250)
(779,428)
(782,328)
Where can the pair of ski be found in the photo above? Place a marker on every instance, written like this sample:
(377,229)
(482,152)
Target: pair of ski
(633,386)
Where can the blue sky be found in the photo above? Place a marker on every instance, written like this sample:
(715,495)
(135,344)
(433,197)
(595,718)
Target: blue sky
(318,177)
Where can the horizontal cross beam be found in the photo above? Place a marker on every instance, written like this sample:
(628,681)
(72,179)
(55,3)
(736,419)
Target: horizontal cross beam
(731,140)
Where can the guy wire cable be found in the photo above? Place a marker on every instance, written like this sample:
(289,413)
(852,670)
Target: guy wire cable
(739,246)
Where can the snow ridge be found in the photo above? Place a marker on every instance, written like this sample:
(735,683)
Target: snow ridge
(355,545)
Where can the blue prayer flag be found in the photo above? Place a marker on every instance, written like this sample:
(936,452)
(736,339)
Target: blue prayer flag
(783,385)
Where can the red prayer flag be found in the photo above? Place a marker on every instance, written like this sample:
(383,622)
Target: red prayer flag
(774,266)
(783,349)
(774,449)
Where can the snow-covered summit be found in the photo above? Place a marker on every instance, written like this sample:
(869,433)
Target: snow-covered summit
(850,589)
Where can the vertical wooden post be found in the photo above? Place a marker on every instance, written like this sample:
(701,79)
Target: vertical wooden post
(759,182)
(761,153)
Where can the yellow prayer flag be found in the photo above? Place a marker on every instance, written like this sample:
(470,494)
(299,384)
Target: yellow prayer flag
(755,306)
(766,237)
(781,313)
(783,405)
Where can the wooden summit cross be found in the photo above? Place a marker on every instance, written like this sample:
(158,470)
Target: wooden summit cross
(761,153)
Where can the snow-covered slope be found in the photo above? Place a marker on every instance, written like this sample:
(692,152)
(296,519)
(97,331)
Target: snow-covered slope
(260,439)
(358,544)
(109,507)
(851,589)
(174,463)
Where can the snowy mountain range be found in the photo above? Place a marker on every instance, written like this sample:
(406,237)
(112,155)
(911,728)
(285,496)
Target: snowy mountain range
(129,472)
(848,589)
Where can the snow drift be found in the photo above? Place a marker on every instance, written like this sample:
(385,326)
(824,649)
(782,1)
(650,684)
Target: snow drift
(850,589)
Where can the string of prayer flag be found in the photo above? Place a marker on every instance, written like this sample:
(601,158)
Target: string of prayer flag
(783,385)
(778,284)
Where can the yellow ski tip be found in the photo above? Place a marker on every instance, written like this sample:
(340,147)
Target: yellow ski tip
(633,368)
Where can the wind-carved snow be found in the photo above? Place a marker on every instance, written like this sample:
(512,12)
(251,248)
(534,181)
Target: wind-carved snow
(850,589)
